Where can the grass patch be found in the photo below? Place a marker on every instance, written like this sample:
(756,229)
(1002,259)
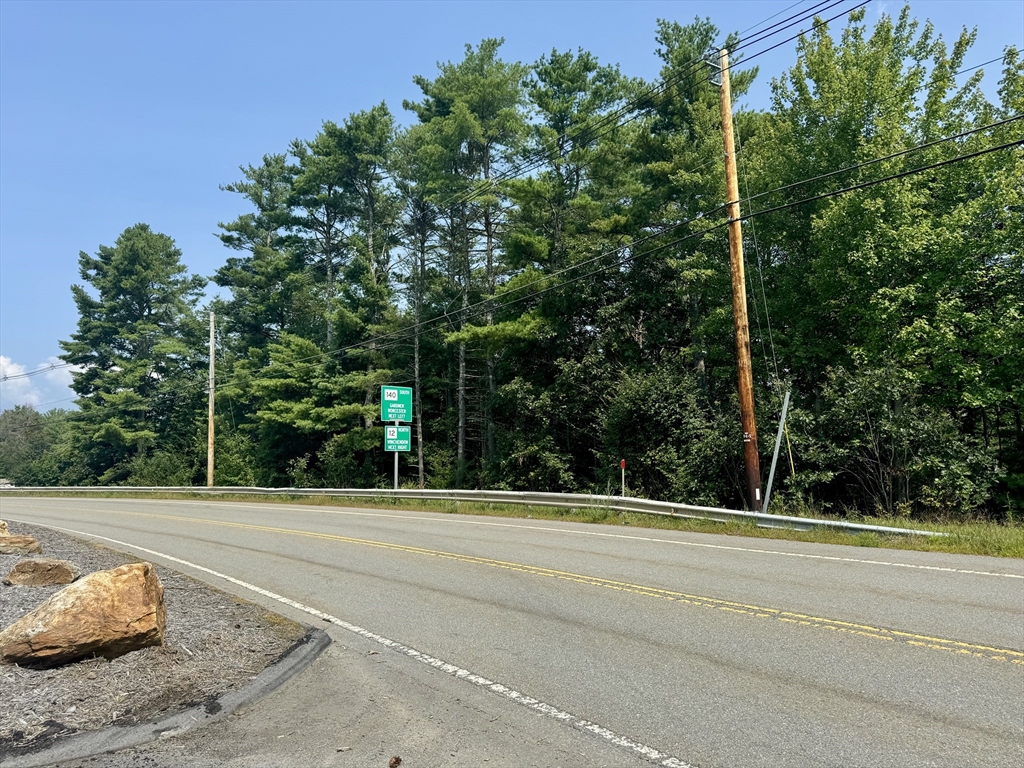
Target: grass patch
(975,537)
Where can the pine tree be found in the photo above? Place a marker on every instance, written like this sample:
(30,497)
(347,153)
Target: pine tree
(140,348)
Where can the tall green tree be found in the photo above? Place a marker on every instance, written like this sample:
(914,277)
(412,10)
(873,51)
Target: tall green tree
(474,121)
(366,143)
(271,288)
(419,230)
(139,347)
(565,214)
(322,211)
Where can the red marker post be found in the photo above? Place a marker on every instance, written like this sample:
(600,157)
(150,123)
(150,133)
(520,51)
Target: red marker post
(622,465)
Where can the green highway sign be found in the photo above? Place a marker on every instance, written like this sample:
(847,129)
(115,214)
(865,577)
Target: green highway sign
(396,404)
(397,438)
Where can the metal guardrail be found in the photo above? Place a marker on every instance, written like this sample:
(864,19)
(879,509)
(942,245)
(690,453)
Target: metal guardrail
(563,500)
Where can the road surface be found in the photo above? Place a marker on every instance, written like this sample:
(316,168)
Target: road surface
(678,649)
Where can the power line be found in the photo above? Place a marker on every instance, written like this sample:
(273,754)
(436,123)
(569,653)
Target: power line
(760,273)
(891,156)
(855,187)
(779,13)
(36,372)
(473,309)
(587,135)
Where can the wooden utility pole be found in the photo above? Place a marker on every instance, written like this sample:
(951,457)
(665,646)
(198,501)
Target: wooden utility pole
(209,416)
(739,295)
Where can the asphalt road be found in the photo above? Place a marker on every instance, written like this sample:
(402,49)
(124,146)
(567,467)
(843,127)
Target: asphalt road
(677,648)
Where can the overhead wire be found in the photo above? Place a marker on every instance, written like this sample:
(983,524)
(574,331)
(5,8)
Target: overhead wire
(487,186)
(891,156)
(699,62)
(778,13)
(847,169)
(35,372)
(988,150)
(634,105)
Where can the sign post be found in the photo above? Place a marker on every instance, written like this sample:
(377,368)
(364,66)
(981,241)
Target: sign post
(396,406)
(622,466)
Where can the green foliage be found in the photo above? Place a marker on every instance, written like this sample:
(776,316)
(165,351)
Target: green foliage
(139,345)
(900,304)
(879,445)
(533,459)
(234,460)
(676,447)
(23,440)
(160,468)
(350,459)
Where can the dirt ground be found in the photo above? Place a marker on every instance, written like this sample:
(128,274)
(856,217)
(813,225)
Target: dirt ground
(213,643)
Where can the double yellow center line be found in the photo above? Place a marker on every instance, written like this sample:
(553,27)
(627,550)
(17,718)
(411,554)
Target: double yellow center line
(863,630)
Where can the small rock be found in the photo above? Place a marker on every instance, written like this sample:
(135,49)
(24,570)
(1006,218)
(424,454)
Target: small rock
(43,572)
(19,545)
(394,762)
(3,529)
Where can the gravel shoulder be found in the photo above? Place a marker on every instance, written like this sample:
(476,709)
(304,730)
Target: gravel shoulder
(214,643)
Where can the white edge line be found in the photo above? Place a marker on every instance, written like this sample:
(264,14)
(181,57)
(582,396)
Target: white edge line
(754,550)
(649,753)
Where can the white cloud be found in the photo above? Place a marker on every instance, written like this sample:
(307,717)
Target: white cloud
(16,391)
(49,388)
(59,377)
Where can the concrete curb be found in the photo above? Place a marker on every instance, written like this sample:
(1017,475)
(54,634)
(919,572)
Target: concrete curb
(117,737)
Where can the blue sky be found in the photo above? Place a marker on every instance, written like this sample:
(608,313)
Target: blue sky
(116,113)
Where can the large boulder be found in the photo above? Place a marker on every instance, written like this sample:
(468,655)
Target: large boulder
(107,613)
(19,545)
(3,529)
(42,572)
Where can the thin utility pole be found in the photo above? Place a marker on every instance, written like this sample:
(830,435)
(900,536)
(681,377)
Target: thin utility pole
(209,417)
(739,295)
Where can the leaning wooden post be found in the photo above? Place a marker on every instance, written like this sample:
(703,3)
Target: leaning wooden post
(739,296)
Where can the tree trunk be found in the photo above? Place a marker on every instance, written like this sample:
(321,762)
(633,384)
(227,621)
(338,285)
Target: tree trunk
(467,272)
(461,450)
(698,353)
(490,448)
(421,271)
(492,388)
(330,301)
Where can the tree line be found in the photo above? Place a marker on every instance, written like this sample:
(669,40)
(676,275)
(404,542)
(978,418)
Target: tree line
(541,254)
